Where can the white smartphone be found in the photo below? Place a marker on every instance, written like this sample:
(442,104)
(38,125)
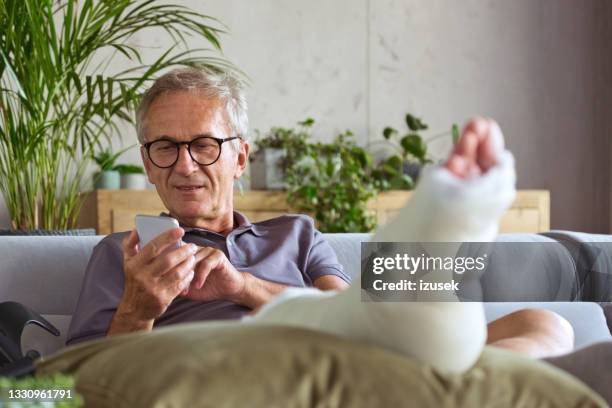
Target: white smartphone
(151,226)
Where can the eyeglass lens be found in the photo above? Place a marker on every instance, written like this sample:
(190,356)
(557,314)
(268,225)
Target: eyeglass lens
(204,150)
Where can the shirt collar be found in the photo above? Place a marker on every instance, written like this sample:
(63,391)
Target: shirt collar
(242,222)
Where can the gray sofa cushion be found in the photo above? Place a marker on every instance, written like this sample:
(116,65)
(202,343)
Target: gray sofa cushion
(348,250)
(592,255)
(45,273)
(546,273)
(535,269)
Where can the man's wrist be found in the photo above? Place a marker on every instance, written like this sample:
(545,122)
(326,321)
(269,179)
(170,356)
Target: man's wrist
(126,321)
(256,292)
(242,296)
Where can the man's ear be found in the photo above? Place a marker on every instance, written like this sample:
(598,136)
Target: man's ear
(242,159)
(147,163)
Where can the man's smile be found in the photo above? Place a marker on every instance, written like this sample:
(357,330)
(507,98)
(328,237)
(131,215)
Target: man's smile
(189,187)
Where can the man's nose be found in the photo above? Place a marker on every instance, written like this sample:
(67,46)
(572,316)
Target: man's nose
(184,163)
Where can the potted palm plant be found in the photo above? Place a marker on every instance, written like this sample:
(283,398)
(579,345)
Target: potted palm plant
(56,105)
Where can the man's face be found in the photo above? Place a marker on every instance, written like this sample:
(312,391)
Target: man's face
(190,191)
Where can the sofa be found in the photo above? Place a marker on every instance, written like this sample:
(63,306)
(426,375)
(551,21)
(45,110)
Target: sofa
(45,273)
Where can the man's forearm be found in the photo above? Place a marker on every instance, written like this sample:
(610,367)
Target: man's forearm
(124,322)
(257,292)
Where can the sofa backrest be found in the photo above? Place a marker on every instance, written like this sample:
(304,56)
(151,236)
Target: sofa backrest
(45,273)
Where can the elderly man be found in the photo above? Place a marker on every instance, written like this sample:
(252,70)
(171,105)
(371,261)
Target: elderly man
(192,127)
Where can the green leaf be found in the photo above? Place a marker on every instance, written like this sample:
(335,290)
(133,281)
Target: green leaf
(129,169)
(388,132)
(414,145)
(408,183)
(395,162)
(390,171)
(415,124)
(308,122)
(363,157)
(106,158)
(455,133)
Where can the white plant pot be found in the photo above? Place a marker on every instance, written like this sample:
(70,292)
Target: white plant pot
(266,173)
(134,181)
(109,180)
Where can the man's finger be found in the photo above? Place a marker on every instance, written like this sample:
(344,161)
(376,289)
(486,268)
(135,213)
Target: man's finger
(165,262)
(180,276)
(187,280)
(130,244)
(162,241)
(204,268)
(203,253)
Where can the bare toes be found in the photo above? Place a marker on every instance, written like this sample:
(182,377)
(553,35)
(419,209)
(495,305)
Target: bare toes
(478,149)
(462,167)
(487,155)
(491,147)
(467,146)
(456,165)
(478,125)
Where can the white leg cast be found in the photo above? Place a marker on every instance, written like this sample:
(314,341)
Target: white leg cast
(447,335)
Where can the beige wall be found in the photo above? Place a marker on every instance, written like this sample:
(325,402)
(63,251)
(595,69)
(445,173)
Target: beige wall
(542,68)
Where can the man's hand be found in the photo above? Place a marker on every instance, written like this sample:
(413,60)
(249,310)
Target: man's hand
(215,277)
(154,277)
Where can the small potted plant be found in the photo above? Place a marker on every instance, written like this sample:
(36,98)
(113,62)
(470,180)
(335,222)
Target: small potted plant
(401,170)
(132,176)
(333,182)
(108,177)
(273,154)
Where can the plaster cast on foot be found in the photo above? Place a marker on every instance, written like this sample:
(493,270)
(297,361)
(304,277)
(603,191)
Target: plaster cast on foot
(447,335)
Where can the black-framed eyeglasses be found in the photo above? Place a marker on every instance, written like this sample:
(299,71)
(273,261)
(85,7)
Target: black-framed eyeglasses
(204,150)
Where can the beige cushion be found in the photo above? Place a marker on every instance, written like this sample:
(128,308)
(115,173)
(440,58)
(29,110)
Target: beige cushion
(229,365)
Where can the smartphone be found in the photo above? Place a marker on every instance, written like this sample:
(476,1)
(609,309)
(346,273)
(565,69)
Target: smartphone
(151,226)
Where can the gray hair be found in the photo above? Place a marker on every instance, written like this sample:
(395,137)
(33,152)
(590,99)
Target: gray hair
(223,87)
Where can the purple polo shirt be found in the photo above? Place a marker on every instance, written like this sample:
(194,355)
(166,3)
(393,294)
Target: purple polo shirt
(287,250)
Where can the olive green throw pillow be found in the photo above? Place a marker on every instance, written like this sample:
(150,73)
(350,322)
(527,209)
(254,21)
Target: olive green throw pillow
(221,365)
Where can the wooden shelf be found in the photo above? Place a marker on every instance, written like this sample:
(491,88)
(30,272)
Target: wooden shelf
(114,210)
